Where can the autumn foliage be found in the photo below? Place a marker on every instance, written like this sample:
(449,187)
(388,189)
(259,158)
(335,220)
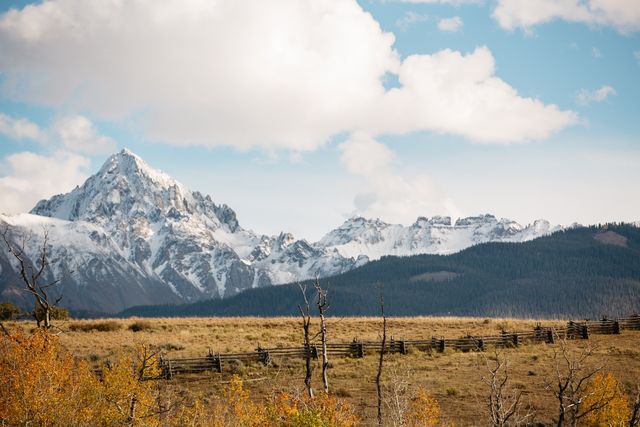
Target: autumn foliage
(605,394)
(41,384)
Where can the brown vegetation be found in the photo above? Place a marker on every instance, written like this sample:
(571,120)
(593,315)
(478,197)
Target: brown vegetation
(448,384)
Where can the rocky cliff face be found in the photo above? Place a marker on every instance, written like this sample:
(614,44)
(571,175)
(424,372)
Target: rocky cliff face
(133,235)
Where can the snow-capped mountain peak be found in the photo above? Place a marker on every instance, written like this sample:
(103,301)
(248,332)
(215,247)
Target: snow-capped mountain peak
(135,235)
(375,238)
(146,222)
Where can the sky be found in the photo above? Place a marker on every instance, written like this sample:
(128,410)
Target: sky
(301,114)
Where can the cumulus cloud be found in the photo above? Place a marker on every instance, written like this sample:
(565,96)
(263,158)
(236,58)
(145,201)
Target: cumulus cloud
(623,15)
(19,128)
(452,24)
(295,74)
(449,92)
(388,193)
(28,177)
(586,97)
(78,134)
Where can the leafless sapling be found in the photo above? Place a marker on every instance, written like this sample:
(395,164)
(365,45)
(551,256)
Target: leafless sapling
(504,401)
(323,306)
(32,275)
(305,313)
(381,359)
(572,375)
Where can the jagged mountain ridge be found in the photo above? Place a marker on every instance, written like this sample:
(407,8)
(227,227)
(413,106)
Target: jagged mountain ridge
(134,235)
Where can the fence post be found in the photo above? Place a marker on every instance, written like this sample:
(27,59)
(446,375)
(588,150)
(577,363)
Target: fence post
(441,345)
(481,344)
(392,346)
(403,347)
(616,327)
(550,338)
(314,352)
(584,332)
(357,349)
(264,355)
(504,338)
(170,370)
(515,339)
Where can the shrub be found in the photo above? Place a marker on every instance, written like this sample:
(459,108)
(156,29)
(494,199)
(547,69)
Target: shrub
(604,388)
(324,410)
(105,326)
(424,410)
(9,311)
(41,385)
(141,325)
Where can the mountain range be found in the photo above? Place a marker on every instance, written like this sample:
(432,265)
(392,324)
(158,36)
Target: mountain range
(577,273)
(132,235)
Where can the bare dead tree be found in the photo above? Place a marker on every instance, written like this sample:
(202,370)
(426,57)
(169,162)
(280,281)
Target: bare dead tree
(397,396)
(323,306)
(573,374)
(504,402)
(305,313)
(634,418)
(32,275)
(381,359)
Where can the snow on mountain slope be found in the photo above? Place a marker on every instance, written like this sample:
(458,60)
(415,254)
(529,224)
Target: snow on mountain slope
(134,235)
(375,238)
(169,235)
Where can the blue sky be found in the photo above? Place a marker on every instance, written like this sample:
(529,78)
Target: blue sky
(300,115)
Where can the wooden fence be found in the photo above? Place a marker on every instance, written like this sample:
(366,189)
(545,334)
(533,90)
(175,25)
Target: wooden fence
(218,362)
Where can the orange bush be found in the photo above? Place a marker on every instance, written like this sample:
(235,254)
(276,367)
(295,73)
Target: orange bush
(324,410)
(424,410)
(604,388)
(41,385)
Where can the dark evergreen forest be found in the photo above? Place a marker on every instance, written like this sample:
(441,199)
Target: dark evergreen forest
(585,272)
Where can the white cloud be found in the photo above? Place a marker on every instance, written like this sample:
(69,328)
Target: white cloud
(19,128)
(586,97)
(410,18)
(388,194)
(78,134)
(450,92)
(595,52)
(295,74)
(28,178)
(452,24)
(623,15)
(636,55)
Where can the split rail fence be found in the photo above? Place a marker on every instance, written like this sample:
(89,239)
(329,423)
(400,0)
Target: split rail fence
(218,362)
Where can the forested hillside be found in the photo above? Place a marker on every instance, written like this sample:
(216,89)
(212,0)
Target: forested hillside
(580,272)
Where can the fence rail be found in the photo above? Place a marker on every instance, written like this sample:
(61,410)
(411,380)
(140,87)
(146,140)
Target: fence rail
(218,362)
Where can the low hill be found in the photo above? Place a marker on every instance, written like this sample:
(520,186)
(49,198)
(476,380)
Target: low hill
(579,272)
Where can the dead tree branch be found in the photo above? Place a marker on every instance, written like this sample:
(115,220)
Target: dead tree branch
(573,374)
(504,402)
(323,306)
(305,313)
(381,359)
(32,273)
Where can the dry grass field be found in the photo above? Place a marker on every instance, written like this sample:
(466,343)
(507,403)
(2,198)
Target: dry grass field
(454,378)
